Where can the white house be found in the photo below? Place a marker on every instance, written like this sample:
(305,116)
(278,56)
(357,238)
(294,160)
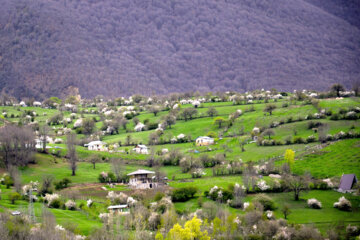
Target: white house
(119,209)
(96,146)
(204,141)
(142,179)
(141,149)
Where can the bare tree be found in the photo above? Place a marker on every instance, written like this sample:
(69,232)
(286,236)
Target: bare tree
(117,165)
(16,177)
(17,145)
(212,111)
(297,184)
(155,109)
(93,159)
(71,152)
(270,108)
(356,87)
(44,133)
(268,132)
(322,132)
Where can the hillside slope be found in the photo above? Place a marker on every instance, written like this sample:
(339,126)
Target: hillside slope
(115,47)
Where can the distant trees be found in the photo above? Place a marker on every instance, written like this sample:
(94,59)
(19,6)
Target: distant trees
(189,113)
(71,152)
(52,102)
(17,145)
(337,88)
(219,121)
(269,108)
(212,111)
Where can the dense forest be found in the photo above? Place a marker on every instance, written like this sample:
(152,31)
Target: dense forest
(123,47)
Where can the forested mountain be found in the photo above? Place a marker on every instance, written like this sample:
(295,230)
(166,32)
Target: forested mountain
(122,47)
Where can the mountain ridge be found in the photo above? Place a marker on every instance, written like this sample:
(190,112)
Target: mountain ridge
(121,48)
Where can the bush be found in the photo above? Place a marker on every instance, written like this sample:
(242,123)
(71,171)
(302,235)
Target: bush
(299,140)
(183,194)
(62,184)
(56,203)
(265,201)
(335,117)
(106,177)
(70,205)
(158,196)
(343,204)
(313,203)
(310,139)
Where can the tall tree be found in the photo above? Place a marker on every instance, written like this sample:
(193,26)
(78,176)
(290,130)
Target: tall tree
(117,165)
(71,152)
(44,131)
(17,145)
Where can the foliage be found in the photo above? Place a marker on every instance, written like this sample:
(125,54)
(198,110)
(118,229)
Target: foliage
(191,230)
(183,194)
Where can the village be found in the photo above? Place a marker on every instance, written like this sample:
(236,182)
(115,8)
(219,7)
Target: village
(261,156)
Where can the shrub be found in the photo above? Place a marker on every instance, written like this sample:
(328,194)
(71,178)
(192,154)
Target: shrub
(313,203)
(220,194)
(183,194)
(335,117)
(70,205)
(265,201)
(158,196)
(106,177)
(343,204)
(310,139)
(62,184)
(299,140)
(56,203)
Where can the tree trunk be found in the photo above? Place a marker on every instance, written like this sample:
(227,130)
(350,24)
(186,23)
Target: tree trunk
(296,196)
(73,172)
(94,165)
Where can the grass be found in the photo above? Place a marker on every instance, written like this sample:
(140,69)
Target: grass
(78,220)
(339,158)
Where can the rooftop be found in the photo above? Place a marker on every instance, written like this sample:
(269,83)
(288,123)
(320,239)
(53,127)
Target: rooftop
(141,171)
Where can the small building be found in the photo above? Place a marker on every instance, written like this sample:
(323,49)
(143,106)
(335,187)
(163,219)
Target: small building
(96,146)
(204,141)
(119,209)
(141,149)
(142,179)
(347,182)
